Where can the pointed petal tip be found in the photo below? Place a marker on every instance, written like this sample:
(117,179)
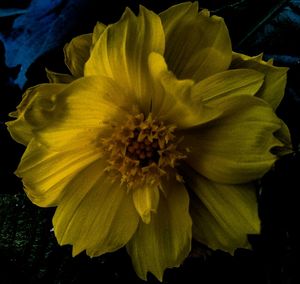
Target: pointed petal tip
(127,13)
(205,12)
(76,250)
(146,217)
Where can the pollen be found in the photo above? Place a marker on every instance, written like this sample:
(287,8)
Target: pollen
(142,151)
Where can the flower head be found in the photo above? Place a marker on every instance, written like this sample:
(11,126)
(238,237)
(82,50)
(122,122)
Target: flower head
(154,138)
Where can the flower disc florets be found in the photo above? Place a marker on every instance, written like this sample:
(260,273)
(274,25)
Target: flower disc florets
(142,151)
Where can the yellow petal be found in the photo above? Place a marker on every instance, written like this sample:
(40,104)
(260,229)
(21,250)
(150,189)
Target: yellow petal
(235,148)
(55,77)
(77,52)
(96,214)
(122,52)
(166,240)
(21,128)
(97,32)
(273,88)
(86,103)
(197,45)
(146,202)
(227,84)
(69,139)
(222,214)
(283,135)
(45,174)
(172,98)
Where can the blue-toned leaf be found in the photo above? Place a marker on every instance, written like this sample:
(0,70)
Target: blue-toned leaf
(43,26)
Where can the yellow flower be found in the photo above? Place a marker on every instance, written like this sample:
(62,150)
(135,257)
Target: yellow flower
(156,137)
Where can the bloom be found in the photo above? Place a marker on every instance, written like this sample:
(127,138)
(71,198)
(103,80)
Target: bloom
(155,138)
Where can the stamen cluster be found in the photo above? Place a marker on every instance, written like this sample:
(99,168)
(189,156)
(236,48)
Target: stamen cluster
(142,151)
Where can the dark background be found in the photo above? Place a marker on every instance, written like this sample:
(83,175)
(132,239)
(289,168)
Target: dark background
(32,35)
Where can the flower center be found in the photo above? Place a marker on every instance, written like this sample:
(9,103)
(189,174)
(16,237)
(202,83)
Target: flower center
(142,151)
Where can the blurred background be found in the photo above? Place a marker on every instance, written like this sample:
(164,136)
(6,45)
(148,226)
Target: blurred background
(32,36)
